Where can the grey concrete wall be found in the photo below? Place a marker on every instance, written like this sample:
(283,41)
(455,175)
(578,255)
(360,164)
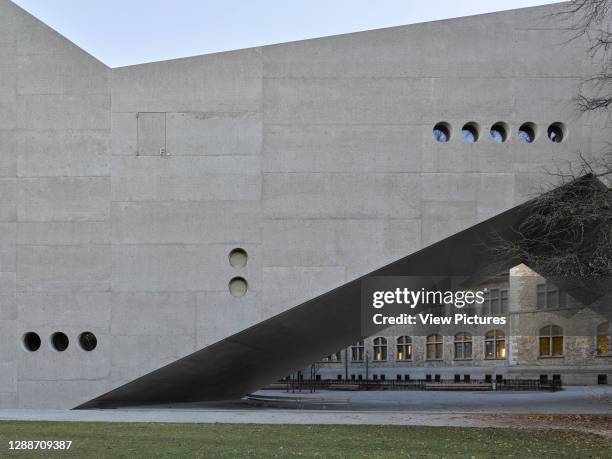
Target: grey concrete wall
(316,157)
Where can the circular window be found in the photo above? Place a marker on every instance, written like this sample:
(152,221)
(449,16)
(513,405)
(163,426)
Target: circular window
(238,258)
(238,287)
(88,341)
(59,341)
(31,341)
(441,132)
(499,132)
(470,132)
(556,132)
(527,132)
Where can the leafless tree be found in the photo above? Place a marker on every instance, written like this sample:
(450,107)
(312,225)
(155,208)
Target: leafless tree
(567,230)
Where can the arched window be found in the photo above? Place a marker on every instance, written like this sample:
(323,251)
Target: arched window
(495,344)
(604,338)
(434,347)
(380,349)
(551,341)
(336,357)
(463,346)
(357,352)
(404,348)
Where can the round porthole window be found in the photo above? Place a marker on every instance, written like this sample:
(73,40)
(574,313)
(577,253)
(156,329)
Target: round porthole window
(238,287)
(499,132)
(59,341)
(238,258)
(527,133)
(556,132)
(31,341)
(88,341)
(470,132)
(441,132)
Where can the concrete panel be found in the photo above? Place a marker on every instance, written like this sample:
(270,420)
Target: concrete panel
(8,199)
(339,148)
(8,246)
(356,244)
(41,112)
(177,268)
(124,134)
(341,195)
(59,74)
(64,233)
(8,377)
(496,192)
(10,343)
(168,314)
(8,109)
(450,187)
(135,355)
(64,199)
(555,96)
(63,153)
(220,315)
(286,287)
(186,222)
(8,154)
(80,311)
(226,82)
(63,268)
(66,393)
(230,187)
(151,134)
(8,25)
(8,68)
(453,98)
(443,218)
(183,166)
(347,101)
(202,133)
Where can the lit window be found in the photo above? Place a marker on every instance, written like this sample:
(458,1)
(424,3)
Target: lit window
(404,348)
(434,347)
(527,132)
(357,352)
(604,338)
(495,345)
(470,132)
(463,346)
(441,132)
(551,341)
(380,349)
(499,132)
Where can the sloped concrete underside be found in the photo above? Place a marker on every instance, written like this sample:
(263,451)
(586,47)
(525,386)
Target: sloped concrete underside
(250,359)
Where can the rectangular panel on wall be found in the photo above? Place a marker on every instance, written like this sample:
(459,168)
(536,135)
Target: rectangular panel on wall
(151,134)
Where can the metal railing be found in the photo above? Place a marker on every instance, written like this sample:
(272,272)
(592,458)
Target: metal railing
(313,385)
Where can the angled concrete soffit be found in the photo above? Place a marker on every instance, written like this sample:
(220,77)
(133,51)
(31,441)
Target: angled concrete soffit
(252,358)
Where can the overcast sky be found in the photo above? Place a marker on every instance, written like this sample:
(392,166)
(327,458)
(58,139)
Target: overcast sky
(124,32)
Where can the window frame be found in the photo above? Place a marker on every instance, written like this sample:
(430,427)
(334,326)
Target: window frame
(437,344)
(607,335)
(495,336)
(380,348)
(403,347)
(463,341)
(550,336)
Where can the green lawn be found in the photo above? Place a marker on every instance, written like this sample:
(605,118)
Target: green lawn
(119,440)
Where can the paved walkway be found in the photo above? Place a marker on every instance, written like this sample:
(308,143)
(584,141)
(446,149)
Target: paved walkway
(584,408)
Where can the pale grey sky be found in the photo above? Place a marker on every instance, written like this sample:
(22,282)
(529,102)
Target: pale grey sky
(124,32)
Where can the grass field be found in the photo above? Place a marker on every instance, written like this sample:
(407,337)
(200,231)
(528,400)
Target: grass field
(120,440)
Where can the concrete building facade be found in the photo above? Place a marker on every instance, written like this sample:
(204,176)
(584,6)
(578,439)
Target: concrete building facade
(127,191)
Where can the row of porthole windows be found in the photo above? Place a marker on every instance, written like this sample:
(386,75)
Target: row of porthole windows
(238,285)
(59,341)
(499,132)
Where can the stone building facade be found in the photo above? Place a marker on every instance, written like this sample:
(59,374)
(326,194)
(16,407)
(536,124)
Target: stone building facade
(549,335)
